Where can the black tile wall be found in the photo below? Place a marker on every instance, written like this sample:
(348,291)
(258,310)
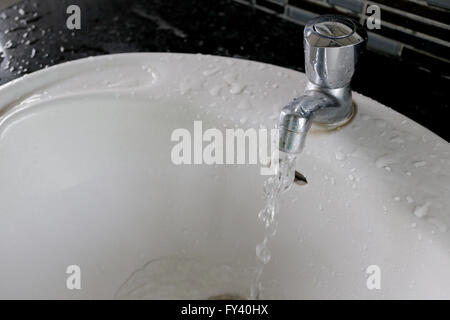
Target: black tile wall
(275,6)
(419,27)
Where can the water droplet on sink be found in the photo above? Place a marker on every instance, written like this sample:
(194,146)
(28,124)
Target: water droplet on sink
(397,139)
(421,210)
(419,164)
(332,181)
(237,88)
(385,161)
(211,72)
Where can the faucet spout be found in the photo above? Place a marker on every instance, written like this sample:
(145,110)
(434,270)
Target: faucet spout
(297,117)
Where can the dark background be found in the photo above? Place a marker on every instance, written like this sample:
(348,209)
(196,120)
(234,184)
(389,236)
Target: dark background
(33,35)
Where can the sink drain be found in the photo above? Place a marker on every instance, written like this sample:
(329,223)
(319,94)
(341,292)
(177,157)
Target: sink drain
(186,278)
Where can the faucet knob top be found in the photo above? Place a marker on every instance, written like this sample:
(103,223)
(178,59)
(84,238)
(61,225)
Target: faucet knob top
(333,44)
(331,31)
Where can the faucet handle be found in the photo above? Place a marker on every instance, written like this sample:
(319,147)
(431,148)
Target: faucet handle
(333,44)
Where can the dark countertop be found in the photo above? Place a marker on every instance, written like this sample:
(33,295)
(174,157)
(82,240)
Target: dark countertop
(34,35)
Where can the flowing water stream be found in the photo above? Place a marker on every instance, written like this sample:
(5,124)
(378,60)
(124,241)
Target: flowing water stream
(273,189)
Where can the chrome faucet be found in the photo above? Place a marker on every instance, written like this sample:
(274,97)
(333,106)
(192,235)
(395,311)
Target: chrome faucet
(333,45)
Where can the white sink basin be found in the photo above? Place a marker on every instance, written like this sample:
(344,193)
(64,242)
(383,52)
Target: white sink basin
(86,179)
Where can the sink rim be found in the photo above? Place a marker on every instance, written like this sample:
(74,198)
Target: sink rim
(12,92)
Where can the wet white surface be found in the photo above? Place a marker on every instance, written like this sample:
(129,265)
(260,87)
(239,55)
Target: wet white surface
(86,178)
